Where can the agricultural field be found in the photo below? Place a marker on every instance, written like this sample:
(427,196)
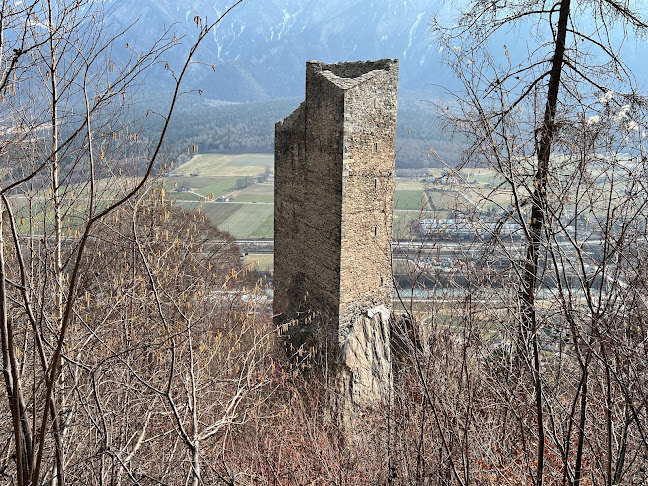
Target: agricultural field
(410,195)
(262,192)
(410,200)
(483,177)
(242,220)
(223,165)
(249,221)
(403,222)
(34,209)
(218,213)
(248,209)
(248,212)
(255,198)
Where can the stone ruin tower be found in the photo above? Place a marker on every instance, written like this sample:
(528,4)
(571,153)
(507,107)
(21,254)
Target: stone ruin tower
(334,187)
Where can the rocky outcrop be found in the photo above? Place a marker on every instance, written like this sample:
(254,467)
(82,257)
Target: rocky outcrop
(365,368)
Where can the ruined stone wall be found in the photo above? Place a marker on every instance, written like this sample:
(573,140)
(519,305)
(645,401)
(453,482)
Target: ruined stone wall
(368,189)
(290,181)
(334,184)
(308,198)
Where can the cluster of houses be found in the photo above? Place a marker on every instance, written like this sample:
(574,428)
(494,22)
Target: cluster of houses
(465,229)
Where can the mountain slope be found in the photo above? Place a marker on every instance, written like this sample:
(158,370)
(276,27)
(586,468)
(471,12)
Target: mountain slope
(260,49)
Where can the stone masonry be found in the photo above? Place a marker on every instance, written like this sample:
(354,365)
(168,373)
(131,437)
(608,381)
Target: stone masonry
(334,186)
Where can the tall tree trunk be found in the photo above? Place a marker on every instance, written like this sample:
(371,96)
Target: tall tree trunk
(58,473)
(578,468)
(9,368)
(538,216)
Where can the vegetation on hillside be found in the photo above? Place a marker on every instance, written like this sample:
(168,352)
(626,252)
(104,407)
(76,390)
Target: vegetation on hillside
(233,128)
(137,343)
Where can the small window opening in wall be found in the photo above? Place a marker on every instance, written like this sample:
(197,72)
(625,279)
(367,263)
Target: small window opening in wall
(375,183)
(382,281)
(375,102)
(375,146)
(375,230)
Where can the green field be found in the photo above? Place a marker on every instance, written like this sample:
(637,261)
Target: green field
(266,228)
(219,213)
(242,220)
(171,182)
(185,196)
(224,165)
(255,198)
(410,199)
(219,187)
(480,176)
(250,221)
(261,193)
(250,212)
(442,199)
(408,185)
(197,188)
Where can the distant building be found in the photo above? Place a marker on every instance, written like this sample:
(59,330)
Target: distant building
(464,228)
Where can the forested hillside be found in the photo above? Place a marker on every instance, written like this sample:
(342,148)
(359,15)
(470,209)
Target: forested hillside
(230,127)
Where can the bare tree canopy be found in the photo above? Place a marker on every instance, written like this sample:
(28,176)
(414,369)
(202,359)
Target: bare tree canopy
(561,122)
(106,289)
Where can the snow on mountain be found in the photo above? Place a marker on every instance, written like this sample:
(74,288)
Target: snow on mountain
(260,48)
